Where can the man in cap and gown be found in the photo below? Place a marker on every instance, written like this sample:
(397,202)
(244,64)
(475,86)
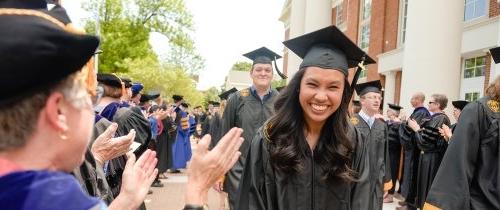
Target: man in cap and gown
(393,124)
(263,188)
(248,109)
(374,131)
(458,106)
(431,144)
(469,176)
(411,152)
(182,146)
(216,121)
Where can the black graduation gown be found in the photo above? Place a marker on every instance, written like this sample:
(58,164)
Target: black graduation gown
(247,111)
(394,151)
(90,174)
(215,129)
(432,147)
(469,176)
(163,150)
(411,155)
(263,188)
(378,153)
(205,126)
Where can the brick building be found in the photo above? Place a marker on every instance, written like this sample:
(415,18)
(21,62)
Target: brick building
(419,45)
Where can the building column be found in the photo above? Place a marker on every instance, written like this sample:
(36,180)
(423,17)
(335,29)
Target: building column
(318,15)
(432,49)
(297,18)
(389,88)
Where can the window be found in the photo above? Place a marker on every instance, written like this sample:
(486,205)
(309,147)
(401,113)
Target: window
(403,20)
(474,9)
(340,15)
(364,35)
(474,67)
(473,96)
(363,73)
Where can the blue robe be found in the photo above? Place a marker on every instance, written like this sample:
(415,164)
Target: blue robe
(44,190)
(181,149)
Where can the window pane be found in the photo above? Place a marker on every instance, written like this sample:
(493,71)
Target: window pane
(479,71)
(469,11)
(468,97)
(480,61)
(480,9)
(468,73)
(469,63)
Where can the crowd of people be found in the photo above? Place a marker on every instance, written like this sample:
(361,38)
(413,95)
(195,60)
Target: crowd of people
(75,139)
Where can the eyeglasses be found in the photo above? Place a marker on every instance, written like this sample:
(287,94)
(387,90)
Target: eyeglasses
(432,102)
(373,97)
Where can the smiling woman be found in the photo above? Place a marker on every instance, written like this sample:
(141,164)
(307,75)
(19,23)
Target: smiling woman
(308,156)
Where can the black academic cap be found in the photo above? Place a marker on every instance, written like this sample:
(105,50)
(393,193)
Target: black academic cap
(225,95)
(153,94)
(356,103)
(177,98)
(459,104)
(394,106)
(265,56)
(60,14)
(372,86)
(109,80)
(186,105)
(328,48)
(24,4)
(144,98)
(216,104)
(36,52)
(127,82)
(495,53)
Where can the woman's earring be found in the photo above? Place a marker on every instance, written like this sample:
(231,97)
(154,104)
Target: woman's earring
(63,136)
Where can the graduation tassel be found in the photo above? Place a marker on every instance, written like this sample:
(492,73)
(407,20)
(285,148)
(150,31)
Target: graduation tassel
(283,76)
(359,68)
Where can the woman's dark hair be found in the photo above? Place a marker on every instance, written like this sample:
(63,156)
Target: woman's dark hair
(288,146)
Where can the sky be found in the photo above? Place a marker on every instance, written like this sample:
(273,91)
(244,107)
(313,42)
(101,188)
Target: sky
(224,30)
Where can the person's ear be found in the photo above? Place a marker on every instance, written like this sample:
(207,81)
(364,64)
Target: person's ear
(55,112)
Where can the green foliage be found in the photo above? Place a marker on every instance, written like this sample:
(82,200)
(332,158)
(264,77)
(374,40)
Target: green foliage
(278,83)
(167,79)
(212,94)
(242,66)
(125,25)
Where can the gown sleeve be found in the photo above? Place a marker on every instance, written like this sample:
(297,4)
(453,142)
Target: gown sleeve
(360,190)
(387,163)
(253,190)
(450,189)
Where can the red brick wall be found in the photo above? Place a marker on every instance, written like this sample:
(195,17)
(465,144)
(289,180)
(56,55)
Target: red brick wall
(487,71)
(391,25)
(397,92)
(334,16)
(376,36)
(352,17)
(494,8)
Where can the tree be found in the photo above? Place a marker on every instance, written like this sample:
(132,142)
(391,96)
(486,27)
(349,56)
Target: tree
(242,66)
(125,27)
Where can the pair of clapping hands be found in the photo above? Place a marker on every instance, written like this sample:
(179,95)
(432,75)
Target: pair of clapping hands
(205,168)
(444,130)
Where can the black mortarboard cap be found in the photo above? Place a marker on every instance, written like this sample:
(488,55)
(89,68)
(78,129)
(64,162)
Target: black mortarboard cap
(36,50)
(356,103)
(225,95)
(372,86)
(495,53)
(459,104)
(24,4)
(153,95)
(109,80)
(265,56)
(394,106)
(144,98)
(185,105)
(216,104)
(127,82)
(177,98)
(328,48)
